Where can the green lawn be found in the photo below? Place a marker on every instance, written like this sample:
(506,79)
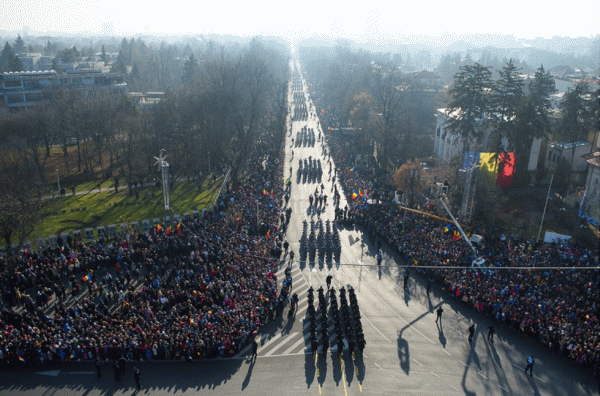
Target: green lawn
(107,207)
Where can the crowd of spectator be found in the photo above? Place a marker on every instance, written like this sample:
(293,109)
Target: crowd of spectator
(194,289)
(558,308)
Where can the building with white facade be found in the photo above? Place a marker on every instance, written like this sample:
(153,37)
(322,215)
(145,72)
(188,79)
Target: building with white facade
(23,89)
(590,205)
(448,145)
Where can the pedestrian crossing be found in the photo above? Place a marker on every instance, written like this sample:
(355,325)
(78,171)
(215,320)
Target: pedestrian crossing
(289,335)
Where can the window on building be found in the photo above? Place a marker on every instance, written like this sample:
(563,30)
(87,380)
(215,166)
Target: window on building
(33,97)
(14,98)
(12,83)
(31,84)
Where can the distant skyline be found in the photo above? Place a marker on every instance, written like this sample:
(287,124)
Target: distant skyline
(367,22)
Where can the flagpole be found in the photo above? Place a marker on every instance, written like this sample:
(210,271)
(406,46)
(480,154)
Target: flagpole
(545,206)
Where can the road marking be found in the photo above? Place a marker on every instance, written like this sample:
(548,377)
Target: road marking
(290,349)
(53,373)
(397,314)
(272,340)
(435,375)
(343,374)
(416,361)
(535,376)
(478,373)
(364,266)
(504,389)
(464,364)
(371,323)
(446,352)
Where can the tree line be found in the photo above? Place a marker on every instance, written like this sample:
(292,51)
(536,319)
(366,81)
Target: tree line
(236,96)
(392,111)
(520,111)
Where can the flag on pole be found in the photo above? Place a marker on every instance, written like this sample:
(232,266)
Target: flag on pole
(456,236)
(447,228)
(354,194)
(360,192)
(268,233)
(264,192)
(169,230)
(158,227)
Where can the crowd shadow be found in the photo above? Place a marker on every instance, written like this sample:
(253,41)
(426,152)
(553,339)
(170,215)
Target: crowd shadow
(158,377)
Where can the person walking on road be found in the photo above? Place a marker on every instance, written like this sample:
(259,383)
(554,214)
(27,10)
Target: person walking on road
(122,364)
(98,364)
(136,377)
(471,332)
(328,280)
(530,362)
(491,332)
(428,285)
(439,315)
(291,258)
(254,349)
(286,246)
(117,371)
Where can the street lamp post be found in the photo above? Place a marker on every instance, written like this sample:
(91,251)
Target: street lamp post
(58,180)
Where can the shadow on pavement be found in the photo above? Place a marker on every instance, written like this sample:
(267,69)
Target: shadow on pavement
(249,373)
(403,353)
(310,368)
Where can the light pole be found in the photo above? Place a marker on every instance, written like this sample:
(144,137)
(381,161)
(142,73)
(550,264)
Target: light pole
(58,180)
(164,170)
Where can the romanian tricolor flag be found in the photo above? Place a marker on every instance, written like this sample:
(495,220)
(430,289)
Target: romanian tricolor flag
(158,227)
(268,233)
(456,236)
(264,192)
(354,194)
(169,230)
(271,192)
(447,228)
(178,228)
(86,278)
(360,192)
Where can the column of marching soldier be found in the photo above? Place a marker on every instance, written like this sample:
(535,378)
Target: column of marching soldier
(346,320)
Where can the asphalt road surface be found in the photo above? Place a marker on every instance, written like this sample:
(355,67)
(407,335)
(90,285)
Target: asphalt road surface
(407,352)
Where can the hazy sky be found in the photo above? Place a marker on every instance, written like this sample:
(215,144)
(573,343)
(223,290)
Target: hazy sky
(369,21)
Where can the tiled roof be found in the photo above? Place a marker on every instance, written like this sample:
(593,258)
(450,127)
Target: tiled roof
(593,158)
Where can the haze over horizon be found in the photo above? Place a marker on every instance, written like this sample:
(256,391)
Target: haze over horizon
(363,23)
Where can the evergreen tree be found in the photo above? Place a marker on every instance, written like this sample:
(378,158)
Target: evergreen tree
(540,89)
(506,100)
(470,101)
(19,46)
(576,118)
(9,60)
(190,70)
(4,57)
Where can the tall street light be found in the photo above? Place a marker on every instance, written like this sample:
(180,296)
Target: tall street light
(58,180)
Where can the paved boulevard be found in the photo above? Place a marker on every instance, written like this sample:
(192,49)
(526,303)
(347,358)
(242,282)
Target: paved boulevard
(406,353)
